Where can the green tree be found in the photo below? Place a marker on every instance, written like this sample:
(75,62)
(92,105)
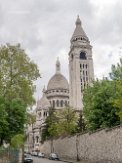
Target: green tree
(16,118)
(116,76)
(18,141)
(51,119)
(13,118)
(116,71)
(31,118)
(99,111)
(4,125)
(17,74)
(81,126)
(65,123)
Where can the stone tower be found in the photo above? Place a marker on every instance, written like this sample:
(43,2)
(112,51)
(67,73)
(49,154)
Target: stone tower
(81,71)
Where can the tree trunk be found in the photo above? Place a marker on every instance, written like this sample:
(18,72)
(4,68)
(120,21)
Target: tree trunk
(77,143)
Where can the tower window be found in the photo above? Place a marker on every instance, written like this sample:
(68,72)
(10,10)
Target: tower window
(86,66)
(83,55)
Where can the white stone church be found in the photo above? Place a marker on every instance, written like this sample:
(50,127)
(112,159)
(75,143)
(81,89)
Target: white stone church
(59,92)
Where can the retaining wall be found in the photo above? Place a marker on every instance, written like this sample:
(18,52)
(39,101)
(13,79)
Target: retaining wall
(101,146)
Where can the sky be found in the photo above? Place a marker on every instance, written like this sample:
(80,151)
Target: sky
(44,29)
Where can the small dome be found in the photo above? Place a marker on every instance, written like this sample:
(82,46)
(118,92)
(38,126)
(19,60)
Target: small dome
(43,103)
(58,81)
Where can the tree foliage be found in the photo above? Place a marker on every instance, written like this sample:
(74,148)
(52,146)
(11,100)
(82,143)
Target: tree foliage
(17,73)
(116,76)
(60,122)
(51,119)
(12,119)
(103,100)
(116,71)
(31,118)
(67,122)
(18,141)
(4,125)
(99,111)
(81,126)
(16,118)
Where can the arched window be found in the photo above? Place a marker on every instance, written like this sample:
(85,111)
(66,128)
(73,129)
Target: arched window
(53,103)
(61,103)
(83,55)
(84,85)
(65,103)
(39,114)
(44,114)
(57,103)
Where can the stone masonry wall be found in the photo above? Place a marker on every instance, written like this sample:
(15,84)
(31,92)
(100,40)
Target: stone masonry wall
(100,146)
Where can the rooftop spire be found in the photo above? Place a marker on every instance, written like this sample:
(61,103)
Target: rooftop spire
(79,32)
(58,66)
(78,21)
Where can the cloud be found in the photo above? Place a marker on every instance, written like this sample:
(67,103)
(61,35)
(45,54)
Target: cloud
(44,29)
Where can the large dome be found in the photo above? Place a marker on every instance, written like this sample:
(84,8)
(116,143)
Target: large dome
(58,81)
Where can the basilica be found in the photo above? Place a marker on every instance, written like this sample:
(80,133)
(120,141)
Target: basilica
(59,93)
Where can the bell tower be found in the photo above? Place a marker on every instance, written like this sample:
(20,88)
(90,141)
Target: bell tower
(81,71)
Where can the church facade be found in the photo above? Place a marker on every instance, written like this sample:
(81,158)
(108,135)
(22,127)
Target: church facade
(59,92)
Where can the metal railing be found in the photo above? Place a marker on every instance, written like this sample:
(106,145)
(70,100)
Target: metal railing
(9,155)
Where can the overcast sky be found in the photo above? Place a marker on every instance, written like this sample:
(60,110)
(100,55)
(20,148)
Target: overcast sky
(44,29)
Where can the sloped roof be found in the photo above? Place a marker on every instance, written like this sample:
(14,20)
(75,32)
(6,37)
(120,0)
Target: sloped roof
(79,30)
